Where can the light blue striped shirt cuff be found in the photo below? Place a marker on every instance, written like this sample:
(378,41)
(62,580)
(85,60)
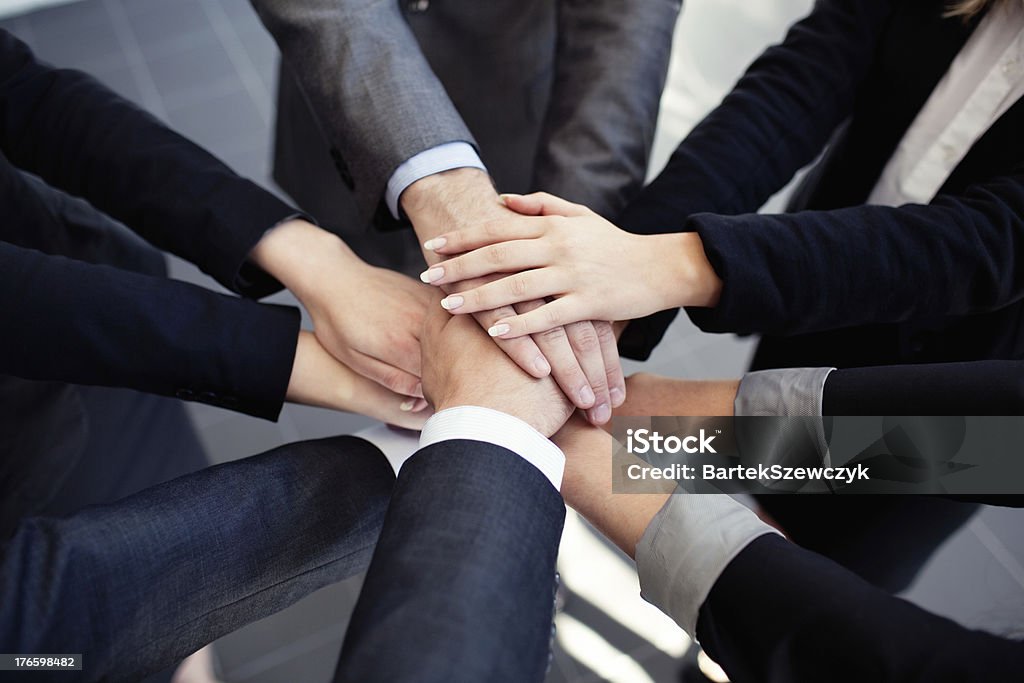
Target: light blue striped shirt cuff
(501,429)
(444,157)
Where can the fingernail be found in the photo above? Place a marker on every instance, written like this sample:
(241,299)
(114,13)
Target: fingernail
(602,413)
(435,244)
(499,329)
(617,395)
(407,405)
(586,396)
(432,275)
(451,303)
(542,365)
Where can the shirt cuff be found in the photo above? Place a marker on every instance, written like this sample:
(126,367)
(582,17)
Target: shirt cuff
(491,426)
(788,392)
(434,160)
(686,548)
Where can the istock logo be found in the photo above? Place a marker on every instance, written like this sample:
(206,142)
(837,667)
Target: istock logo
(646,441)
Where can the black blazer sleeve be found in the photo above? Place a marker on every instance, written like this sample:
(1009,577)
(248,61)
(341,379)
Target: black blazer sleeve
(461,586)
(775,121)
(81,137)
(819,270)
(974,388)
(781,613)
(84,323)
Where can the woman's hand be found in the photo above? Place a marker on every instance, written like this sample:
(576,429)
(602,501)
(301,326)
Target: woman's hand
(368,318)
(319,379)
(592,269)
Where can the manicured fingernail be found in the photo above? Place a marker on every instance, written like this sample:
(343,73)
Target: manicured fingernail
(407,405)
(586,396)
(451,303)
(617,395)
(542,365)
(499,329)
(432,275)
(602,413)
(435,244)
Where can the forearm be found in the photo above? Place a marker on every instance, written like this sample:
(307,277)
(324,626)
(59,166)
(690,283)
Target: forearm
(371,89)
(587,487)
(83,138)
(601,119)
(91,324)
(297,253)
(775,121)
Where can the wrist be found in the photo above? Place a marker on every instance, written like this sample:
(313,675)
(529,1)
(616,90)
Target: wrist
(685,276)
(297,253)
(440,202)
(318,379)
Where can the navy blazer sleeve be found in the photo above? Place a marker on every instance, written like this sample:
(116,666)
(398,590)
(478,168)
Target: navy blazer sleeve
(139,584)
(83,138)
(85,323)
(461,586)
(781,613)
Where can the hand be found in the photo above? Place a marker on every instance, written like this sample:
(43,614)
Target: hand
(368,318)
(582,357)
(596,270)
(319,379)
(462,367)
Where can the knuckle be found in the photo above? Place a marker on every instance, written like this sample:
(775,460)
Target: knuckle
(551,336)
(517,285)
(497,254)
(585,340)
(551,316)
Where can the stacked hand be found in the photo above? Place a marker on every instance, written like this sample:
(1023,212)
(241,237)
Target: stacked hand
(581,355)
(462,367)
(594,270)
(365,355)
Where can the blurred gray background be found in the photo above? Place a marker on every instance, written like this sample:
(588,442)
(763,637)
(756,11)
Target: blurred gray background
(207,68)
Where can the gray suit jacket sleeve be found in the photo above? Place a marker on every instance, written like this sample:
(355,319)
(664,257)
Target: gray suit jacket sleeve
(366,79)
(611,65)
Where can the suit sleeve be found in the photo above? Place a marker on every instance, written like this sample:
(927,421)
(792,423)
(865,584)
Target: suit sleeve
(611,63)
(462,581)
(820,270)
(137,585)
(70,321)
(824,621)
(975,388)
(775,121)
(83,138)
(373,93)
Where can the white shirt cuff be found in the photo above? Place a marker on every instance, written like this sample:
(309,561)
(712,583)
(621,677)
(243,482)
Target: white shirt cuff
(428,162)
(491,426)
(687,546)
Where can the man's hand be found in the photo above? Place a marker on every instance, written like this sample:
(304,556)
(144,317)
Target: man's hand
(582,357)
(462,367)
(319,379)
(368,318)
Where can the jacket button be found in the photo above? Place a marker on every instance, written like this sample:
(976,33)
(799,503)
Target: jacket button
(184,394)
(418,6)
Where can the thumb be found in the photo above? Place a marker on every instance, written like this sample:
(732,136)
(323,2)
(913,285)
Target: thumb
(543,204)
